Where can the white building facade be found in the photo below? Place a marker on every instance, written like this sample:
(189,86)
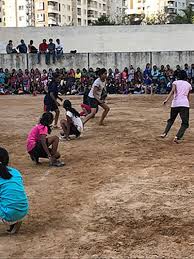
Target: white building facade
(13,13)
(152,7)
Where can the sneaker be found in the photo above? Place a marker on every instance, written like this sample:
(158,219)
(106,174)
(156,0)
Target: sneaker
(177,141)
(62,138)
(57,164)
(14,229)
(163,135)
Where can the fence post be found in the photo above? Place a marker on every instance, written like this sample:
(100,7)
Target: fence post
(151,58)
(27,61)
(88,61)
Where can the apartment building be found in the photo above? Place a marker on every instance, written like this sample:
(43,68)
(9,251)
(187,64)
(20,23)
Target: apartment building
(1,13)
(13,13)
(176,6)
(151,7)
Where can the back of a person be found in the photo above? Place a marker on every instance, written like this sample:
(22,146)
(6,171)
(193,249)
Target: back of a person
(76,121)
(100,86)
(34,136)
(13,202)
(22,48)
(181,94)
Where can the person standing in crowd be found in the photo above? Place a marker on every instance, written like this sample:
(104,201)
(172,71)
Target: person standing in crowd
(180,105)
(51,52)
(43,47)
(50,100)
(13,199)
(147,76)
(32,48)
(59,49)
(9,48)
(22,47)
(95,97)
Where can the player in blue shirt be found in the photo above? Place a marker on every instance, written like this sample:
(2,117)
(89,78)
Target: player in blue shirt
(13,199)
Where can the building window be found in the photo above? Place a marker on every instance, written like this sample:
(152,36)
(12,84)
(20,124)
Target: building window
(40,6)
(21,7)
(79,21)
(79,11)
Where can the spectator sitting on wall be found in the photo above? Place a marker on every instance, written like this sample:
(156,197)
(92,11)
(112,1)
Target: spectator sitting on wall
(32,48)
(9,48)
(188,71)
(43,47)
(59,49)
(177,72)
(51,51)
(22,47)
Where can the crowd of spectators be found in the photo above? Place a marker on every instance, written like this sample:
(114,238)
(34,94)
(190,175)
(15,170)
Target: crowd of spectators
(130,80)
(49,50)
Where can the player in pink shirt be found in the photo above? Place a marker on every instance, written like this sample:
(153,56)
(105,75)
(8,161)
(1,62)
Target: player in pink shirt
(38,143)
(180,105)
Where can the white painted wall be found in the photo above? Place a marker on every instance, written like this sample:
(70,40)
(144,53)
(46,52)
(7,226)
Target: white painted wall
(108,38)
(113,60)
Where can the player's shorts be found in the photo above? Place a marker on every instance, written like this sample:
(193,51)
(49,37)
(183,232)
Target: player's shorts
(93,103)
(38,150)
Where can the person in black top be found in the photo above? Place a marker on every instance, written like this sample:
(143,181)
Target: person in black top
(51,51)
(32,48)
(50,100)
(22,47)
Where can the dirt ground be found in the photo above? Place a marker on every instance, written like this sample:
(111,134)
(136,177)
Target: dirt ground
(124,192)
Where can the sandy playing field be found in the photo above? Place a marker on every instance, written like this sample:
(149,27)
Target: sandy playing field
(124,192)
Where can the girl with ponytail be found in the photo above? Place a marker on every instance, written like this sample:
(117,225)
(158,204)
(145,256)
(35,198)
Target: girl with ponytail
(73,124)
(13,199)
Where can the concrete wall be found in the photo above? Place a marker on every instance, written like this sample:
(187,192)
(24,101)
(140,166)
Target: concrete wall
(113,60)
(95,39)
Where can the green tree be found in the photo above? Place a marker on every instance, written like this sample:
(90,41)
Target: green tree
(186,18)
(103,20)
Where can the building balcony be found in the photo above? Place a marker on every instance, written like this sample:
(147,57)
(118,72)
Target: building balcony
(171,11)
(92,7)
(52,21)
(53,8)
(53,2)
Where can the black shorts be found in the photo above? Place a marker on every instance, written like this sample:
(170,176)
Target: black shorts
(93,103)
(74,131)
(38,151)
(51,107)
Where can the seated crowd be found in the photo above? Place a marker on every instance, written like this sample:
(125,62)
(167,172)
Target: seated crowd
(130,80)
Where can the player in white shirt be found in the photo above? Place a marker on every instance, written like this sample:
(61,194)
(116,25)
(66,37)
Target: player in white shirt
(73,124)
(94,97)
